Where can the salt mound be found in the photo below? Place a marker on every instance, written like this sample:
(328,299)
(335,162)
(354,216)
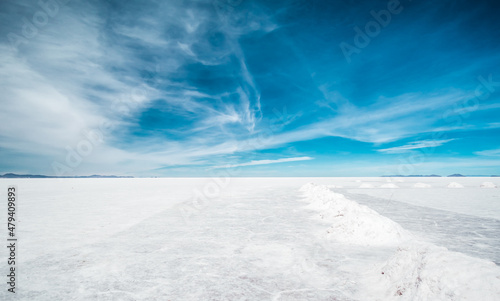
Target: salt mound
(366,185)
(308,187)
(365,228)
(334,186)
(488,185)
(351,222)
(427,272)
(389,185)
(455,185)
(421,185)
(319,196)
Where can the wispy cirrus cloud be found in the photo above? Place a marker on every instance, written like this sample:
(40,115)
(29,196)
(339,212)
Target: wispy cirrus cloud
(265,162)
(183,83)
(489,153)
(93,64)
(415,145)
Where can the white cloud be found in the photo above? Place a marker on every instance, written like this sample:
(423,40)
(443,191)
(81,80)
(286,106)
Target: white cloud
(265,162)
(78,72)
(67,79)
(489,153)
(415,145)
(493,125)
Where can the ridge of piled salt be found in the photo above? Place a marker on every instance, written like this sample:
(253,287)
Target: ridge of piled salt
(351,222)
(423,271)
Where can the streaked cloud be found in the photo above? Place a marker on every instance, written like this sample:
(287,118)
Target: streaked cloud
(186,84)
(415,145)
(489,153)
(265,162)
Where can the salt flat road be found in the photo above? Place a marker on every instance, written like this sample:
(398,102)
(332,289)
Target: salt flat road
(254,243)
(469,234)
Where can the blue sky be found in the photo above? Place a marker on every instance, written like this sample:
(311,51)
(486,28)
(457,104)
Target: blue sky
(250,88)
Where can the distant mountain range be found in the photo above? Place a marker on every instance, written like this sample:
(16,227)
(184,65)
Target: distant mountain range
(453,176)
(13,175)
(412,176)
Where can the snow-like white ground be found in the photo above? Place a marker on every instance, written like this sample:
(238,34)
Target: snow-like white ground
(256,239)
